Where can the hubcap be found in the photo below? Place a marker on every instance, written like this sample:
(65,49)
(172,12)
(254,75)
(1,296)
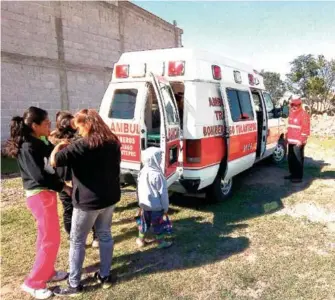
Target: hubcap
(279,153)
(226,186)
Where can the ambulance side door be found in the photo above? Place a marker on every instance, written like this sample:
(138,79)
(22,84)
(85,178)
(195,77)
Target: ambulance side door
(273,123)
(242,128)
(170,139)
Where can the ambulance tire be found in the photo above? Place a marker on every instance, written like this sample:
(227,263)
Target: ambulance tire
(279,155)
(219,191)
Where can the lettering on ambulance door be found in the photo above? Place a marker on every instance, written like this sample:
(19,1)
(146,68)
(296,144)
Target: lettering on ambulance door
(171,143)
(273,122)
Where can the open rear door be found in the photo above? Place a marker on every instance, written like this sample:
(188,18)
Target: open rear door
(170,128)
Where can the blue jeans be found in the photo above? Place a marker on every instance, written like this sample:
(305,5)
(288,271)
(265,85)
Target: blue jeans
(82,223)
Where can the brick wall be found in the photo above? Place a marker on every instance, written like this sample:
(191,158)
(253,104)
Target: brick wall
(59,55)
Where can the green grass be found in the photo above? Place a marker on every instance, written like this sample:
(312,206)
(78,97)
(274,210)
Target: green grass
(240,249)
(8,165)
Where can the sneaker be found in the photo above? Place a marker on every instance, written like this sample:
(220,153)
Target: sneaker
(68,291)
(59,276)
(37,294)
(140,242)
(164,244)
(95,244)
(289,177)
(106,282)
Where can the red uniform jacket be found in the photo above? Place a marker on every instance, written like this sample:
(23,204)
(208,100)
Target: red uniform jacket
(298,127)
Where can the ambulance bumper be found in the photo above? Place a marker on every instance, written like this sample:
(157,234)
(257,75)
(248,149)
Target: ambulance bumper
(190,185)
(128,176)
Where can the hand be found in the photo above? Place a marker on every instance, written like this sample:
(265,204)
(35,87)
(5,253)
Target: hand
(67,190)
(299,144)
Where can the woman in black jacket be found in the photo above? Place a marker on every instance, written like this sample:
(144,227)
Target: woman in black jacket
(41,184)
(65,132)
(95,164)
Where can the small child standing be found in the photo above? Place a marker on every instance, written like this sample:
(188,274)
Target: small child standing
(153,198)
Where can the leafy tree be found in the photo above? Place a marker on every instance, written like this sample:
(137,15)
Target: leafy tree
(313,78)
(274,84)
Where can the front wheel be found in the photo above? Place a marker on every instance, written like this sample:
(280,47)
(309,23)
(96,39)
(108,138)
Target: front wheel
(220,190)
(279,154)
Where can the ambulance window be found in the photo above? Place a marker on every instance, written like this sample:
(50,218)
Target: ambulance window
(269,104)
(170,109)
(240,104)
(123,104)
(234,105)
(245,103)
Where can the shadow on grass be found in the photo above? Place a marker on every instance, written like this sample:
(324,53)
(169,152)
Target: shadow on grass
(257,191)
(196,243)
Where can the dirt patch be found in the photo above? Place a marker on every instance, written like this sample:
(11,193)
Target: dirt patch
(312,212)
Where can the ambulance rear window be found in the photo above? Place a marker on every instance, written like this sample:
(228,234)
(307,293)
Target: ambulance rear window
(123,104)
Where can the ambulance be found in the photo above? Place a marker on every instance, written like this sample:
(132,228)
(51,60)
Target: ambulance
(210,115)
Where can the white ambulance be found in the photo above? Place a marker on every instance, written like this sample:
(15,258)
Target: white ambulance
(210,115)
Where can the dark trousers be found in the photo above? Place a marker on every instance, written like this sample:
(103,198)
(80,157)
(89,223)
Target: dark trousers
(67,213)
(296,160)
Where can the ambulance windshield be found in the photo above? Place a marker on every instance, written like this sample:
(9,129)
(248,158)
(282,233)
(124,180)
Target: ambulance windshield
(123,104)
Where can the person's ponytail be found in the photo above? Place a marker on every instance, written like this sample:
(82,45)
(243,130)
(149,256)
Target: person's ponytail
(19,131)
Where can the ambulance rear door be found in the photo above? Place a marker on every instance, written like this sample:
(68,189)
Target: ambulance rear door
(170,132)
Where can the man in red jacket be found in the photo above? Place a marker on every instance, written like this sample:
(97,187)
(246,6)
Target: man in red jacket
(297,134)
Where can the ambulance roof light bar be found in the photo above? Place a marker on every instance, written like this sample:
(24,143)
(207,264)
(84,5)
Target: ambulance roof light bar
(122,71)
(176,68)
(216,71)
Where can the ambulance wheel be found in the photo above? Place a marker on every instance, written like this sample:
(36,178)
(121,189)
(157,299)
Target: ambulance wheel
(220,190)
(279,154)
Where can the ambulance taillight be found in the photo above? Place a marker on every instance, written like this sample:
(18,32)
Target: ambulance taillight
(122,71)
(216,71)
(193,151)
(176,68)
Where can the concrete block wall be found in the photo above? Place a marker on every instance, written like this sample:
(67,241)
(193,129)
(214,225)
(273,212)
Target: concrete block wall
(59,55)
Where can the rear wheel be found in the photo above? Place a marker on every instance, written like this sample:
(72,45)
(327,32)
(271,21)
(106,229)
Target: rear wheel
(279,154)
(220,190)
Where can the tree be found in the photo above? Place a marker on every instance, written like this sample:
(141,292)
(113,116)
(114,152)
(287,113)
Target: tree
(274,85)
(313,78)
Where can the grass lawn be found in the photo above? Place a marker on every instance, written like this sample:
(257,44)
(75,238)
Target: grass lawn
(250,247)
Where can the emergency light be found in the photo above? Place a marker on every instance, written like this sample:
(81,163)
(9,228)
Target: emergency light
(216,71)
(122,71)
(176,68)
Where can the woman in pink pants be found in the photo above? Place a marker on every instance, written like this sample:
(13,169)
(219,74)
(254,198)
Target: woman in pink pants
(41,184)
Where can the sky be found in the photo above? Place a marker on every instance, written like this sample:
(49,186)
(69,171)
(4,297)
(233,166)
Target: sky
(267,35)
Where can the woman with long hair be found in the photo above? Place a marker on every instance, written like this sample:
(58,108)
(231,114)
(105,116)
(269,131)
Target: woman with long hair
(66,132)
(41,184)
(95,165)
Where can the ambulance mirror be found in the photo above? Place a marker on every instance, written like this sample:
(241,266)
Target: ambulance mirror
(284,111)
